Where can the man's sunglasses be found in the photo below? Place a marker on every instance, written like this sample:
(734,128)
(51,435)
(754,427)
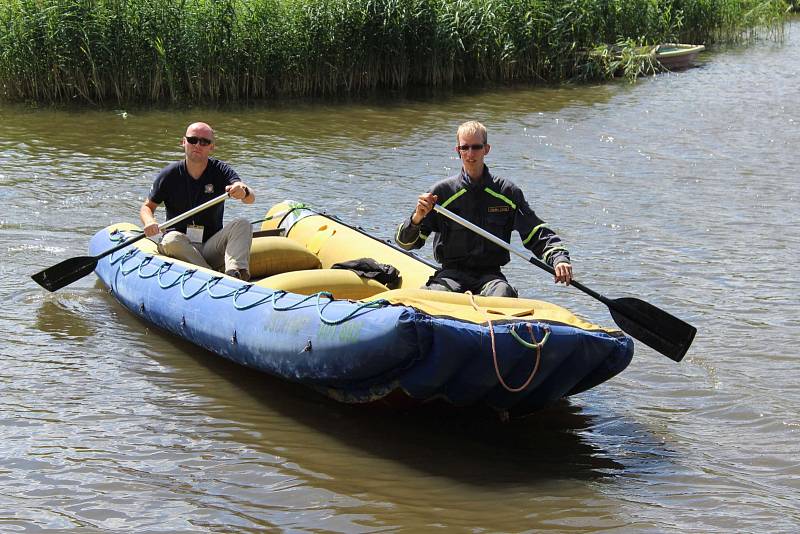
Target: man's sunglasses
(475,147)
(193,140)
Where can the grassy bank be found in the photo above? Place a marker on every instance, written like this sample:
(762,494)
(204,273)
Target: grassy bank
(126,51)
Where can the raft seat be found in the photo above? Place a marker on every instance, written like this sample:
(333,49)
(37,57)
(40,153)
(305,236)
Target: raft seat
(281,263)
(270,255)
(343,284)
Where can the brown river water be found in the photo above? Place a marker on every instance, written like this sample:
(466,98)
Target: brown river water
(681,189)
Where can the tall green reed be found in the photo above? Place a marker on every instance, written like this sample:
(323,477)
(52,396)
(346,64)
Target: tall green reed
(200,51)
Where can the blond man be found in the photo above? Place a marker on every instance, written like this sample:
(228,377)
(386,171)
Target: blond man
(468,261)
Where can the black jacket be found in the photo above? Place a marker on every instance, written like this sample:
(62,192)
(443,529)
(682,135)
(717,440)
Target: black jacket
(496,205)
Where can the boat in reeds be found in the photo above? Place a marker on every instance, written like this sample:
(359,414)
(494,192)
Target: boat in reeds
(358,335)
(676,56)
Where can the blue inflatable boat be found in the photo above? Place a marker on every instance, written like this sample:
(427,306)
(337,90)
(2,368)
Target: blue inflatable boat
(358,340)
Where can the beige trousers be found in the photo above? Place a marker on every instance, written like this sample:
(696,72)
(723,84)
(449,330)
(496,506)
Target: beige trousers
(226,250)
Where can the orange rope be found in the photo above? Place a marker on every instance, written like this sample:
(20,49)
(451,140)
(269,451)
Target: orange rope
(494,350)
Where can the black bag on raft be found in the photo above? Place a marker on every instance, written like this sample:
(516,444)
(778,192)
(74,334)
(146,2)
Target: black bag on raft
(369,268)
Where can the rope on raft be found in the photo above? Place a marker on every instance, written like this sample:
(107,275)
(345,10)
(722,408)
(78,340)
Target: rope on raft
(235,293)
(536,345)
(292,207)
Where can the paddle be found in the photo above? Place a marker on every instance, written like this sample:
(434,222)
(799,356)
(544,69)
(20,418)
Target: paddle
(68,271)
(651,325)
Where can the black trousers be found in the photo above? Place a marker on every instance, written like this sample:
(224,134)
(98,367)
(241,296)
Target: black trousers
(487,284)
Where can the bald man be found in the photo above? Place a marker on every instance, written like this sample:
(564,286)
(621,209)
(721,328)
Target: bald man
(185,184)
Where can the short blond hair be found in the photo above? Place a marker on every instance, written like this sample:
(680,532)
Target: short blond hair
(470,128)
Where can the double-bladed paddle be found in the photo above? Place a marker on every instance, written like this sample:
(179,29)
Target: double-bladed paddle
(651,325)
(68,271)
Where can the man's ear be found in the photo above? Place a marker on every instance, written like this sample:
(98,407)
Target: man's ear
(487,147)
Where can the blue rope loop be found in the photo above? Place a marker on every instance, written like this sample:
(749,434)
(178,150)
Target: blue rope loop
(290,306)
(124,259)
(184,278)
(366,306)
(259,302)
(241,290)
(145,262)
(213,282)
(235,293)
(117,236)
(161,271)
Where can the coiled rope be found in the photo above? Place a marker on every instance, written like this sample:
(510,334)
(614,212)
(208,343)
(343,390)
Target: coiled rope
(536,345)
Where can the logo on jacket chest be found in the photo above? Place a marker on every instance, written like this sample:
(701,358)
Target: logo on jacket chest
(209,188)
(499,209)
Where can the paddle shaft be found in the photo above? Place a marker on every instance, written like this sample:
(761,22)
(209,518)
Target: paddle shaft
(522,253)
(167,224)
(68,271)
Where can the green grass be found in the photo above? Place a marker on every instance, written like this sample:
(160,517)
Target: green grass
(204,51)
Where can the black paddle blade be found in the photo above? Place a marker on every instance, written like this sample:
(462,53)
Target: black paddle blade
(653,326)
(66,272)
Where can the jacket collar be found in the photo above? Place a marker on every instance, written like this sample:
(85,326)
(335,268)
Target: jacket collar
(468,184)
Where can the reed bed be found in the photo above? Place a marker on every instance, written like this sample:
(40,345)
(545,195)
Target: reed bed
(204,51)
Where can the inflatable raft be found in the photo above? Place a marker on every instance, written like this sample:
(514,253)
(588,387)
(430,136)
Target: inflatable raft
(353,338)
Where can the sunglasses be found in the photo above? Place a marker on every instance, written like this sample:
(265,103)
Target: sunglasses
(476,147)
(193,140)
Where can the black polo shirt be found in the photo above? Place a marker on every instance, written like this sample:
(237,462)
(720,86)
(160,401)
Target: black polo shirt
(179,192)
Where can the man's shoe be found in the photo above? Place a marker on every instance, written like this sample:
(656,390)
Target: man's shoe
(242,274)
